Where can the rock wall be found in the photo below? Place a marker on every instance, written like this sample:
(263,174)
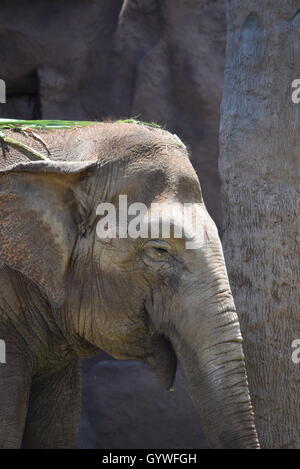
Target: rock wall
(156,60)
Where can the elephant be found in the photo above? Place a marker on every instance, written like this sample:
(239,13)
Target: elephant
(66,293)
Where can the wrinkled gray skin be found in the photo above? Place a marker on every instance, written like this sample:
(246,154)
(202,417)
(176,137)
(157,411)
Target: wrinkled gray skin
(65,293)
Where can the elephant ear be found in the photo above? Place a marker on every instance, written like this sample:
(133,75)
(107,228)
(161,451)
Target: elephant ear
(39,217)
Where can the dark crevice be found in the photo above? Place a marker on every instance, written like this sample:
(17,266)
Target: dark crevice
(26,87)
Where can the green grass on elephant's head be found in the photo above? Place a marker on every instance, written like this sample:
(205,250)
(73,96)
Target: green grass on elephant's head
(20,124)
(42,124)
(63,124)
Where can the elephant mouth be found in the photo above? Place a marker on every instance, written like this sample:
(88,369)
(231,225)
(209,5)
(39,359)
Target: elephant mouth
(163,361)
(160,354)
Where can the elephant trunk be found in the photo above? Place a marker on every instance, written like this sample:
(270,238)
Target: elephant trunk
(216,378)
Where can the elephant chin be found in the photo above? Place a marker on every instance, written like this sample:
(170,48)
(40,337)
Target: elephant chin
(162,359)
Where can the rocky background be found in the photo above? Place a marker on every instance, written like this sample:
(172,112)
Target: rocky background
(155,60)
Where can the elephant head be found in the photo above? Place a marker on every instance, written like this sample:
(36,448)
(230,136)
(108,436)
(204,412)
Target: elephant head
(147,298)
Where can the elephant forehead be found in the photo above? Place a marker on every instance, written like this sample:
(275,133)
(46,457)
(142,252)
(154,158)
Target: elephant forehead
(162,177)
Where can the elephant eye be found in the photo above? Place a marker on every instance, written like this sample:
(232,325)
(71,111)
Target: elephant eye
(157,250)
(160,250)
